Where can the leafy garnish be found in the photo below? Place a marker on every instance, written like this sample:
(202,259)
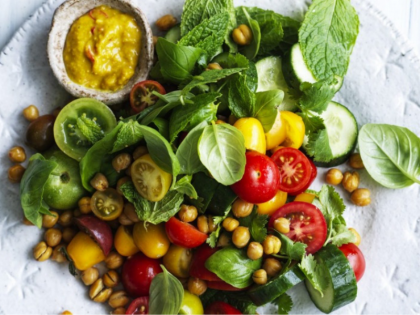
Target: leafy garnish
(128,135)
(256,224)
(290,249)
(284,304)
(239,300)
(266,107)
(250,51)
(214,236)
(314,273)
(185,187)
(89,128)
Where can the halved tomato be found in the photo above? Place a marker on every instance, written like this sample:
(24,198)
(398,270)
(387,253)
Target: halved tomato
(307,224)
(220,307)
(314,173)
(138,306)
(184,234)
(107,205)
(198,266)
(141,95)
(295,170)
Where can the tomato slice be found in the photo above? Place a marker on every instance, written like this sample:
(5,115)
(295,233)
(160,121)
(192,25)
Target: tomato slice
(307,224)
(314,173)
(223,286)
(184,234)
(107,205)
(356,259)
(141,95)
(220,307)
(295,170)
(138,306)
(198,266)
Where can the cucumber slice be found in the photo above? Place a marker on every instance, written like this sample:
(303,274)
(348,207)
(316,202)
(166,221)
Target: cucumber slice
(296,72)
(270,77)
(277,286)
(341,286)
(174,34)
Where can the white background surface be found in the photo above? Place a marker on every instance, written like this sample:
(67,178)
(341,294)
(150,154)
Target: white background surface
(405,14)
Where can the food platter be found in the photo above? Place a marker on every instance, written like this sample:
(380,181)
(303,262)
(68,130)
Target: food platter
(382,86)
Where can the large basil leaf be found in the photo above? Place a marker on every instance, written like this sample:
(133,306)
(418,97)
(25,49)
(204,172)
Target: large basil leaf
(327,37)
(32,188)
(266,107)
(391,155)
(222,151)
(166,294)
(233,266)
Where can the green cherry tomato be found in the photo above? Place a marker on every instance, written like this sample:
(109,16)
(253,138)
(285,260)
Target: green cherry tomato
(191,304)
(80,124)
(63,188)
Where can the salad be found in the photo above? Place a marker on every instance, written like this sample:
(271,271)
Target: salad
(196,196)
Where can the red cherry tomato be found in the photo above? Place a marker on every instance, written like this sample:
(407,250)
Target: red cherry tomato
(307,224)
(198,268)
(356,259)
(141,95)
(314,173)
(184,234)
(138,306)
(220,307)
(260,181)
(295,170)
(222,286)
(137,274)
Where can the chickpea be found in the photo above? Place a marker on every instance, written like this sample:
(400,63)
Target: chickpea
(187,213)
(260,276)
(242,208)
(17,155)
(57,255)
(197,286)
(99,182)
(241,236)
(356,162)
(52,237)
(350,181)
(254,251)
(130,212)
(68,234)
(128,171)
(118,299)
(155,40)
(90,275)
(272,266)
(282,225)
(98,292)
(66,218)
(139,152)
(48,221)
(212,225)
(121,162)
(224,240)
(242,35)
(114,260)
(15,173)
(31,113)
(214,66)
(66,313)
(124,220)
(119,311)
(203,224)
(232,119)
(111,279)
(361,197)
(42,251)
(84,205)
(334,177)
(121,182)
(230,224)
(77,213)
(166,22)
(357,235)
(271,245)
(27,222)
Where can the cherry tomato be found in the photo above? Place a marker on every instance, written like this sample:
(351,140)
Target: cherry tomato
(222,286)
(107,205)
(307,224)
(260,181)
(124,242)
(138,306)
(220,307)
(191,305)
(198,266)
(141,95)
(295,130)
(151,239)
(314,173)
(253,133)
(294,168)
(356,259)
(178,261)
(137,274)
(184,234)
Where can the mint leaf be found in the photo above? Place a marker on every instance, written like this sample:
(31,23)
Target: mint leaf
(89,128)
(293,250)
(241,99)
(284,304)
(185,187)
(256,224)
(314,273)
(128,135)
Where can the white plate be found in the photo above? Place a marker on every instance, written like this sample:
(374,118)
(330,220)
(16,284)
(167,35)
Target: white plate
(382,85)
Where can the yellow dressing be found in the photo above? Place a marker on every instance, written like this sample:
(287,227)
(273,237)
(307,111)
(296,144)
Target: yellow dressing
(102,49)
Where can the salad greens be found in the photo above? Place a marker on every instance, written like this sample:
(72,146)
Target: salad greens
(284,303)
(238,300)
(257,225)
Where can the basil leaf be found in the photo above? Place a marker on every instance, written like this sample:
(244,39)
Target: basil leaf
(166,294)
(391,155)
(32,188)
(185,187)
(327,37)
(128,135)
(222,151)
(162,126)
(266,107)
(256,224)
(284,304)
(233,266)
(250,51)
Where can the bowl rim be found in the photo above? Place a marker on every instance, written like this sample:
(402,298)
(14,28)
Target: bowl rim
(64,17)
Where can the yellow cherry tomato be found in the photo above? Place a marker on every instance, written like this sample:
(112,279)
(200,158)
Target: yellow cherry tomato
(178,260)
(272,205)
(277,133)
(253,133)
(84,251)
(191,304)
(305,197)
(124,241)
(107,205)
(151,239)
(295,130)
(149,179)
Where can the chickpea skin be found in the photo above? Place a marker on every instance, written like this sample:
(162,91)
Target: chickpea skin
(242,35)
(188,213)
(350,181)
(356,162)
(241,236)
(361,197)
(121,162)
(166,22)
(197,286)
(230,224)
(334,177)
(99,182)
(15,173)
(271,245)
(31,113)
(53,237)
(17,154)
(254,251)
(260,276)
(272,266)
(242,208)
(48,221)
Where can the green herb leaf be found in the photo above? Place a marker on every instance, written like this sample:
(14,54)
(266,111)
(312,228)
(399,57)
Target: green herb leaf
(341,235)
(266,107)
(293,250)
(214,236)
(166,294)
(239,300)
(284,304)
(163,126)
(233,266)
(318,145)
(256,224)
(314,273)
(128,135)
(316,96)
(89,128)
(250,51)
(241,99)
(185,187)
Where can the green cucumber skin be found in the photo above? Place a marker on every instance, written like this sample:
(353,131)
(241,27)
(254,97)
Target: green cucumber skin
(337,161)
(289,73)
(342,278)
(277,286)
